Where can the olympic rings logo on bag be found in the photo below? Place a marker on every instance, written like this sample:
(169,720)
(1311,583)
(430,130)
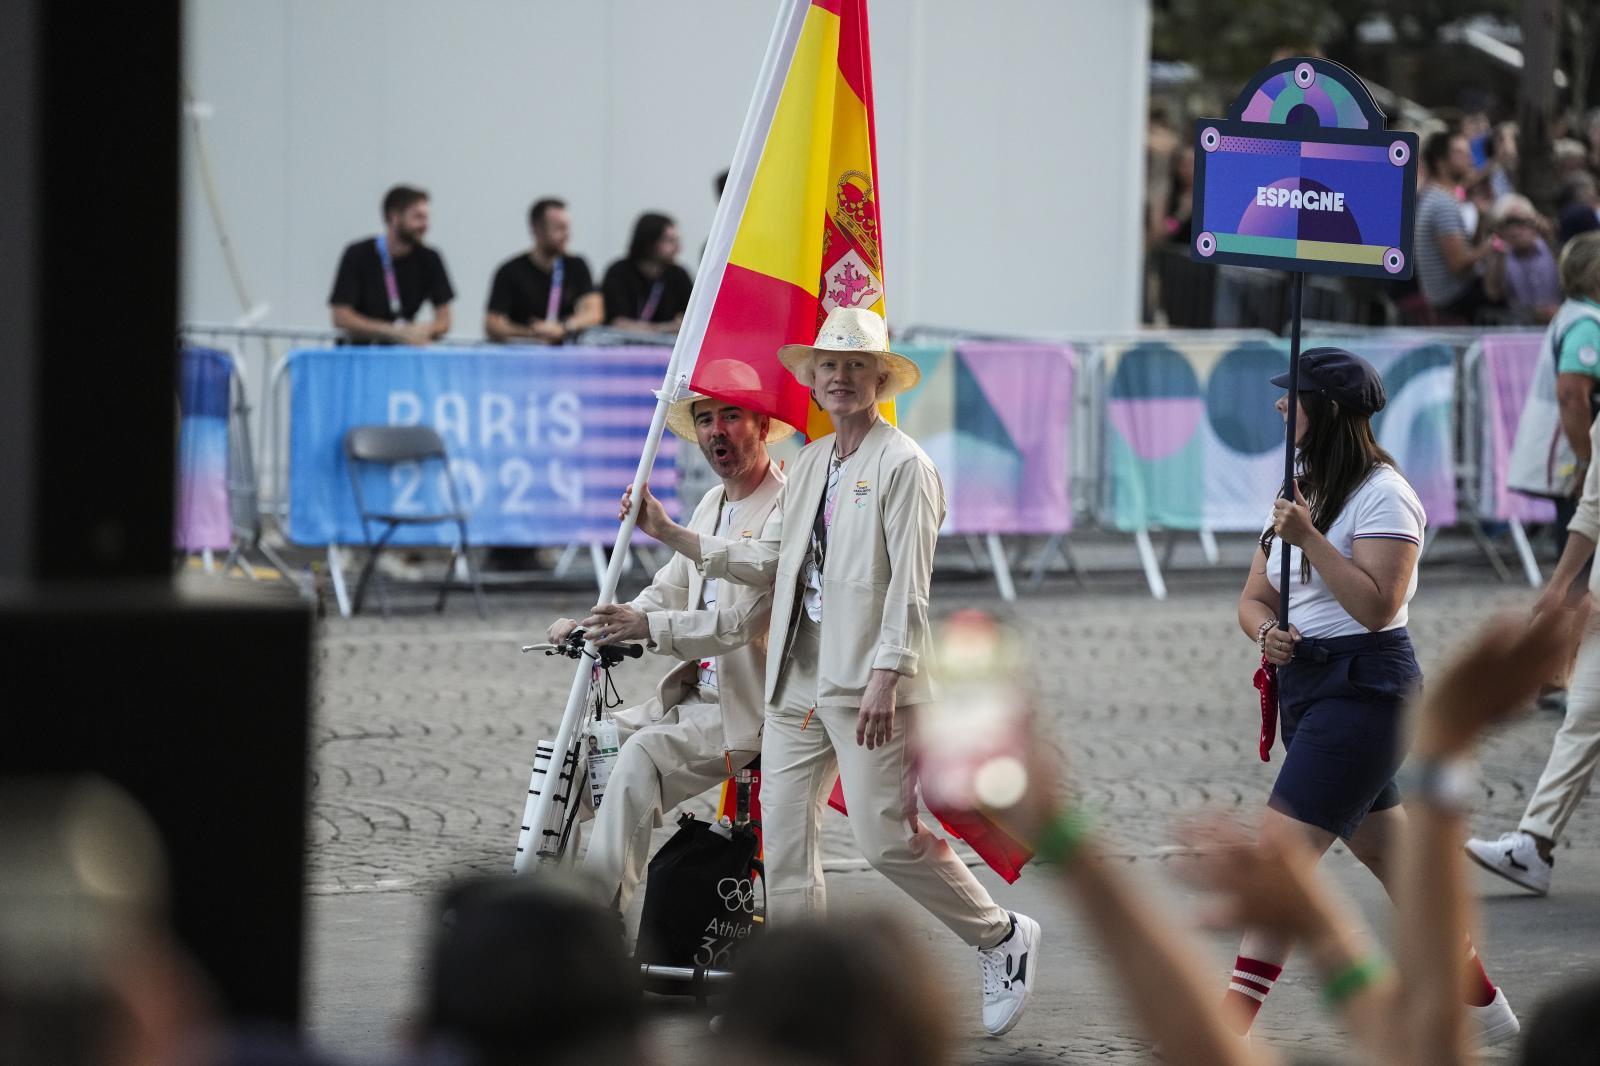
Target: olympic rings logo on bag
(738,894)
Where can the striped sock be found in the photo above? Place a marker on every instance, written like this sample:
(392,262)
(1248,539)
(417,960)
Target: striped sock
(1252,980)
(1479,990)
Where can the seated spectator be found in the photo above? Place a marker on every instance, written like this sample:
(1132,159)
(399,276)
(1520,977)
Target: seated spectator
(383,281)
(543,295)
(1448,263)
(853,992)
(648,291)
(524,970)
(1522,271)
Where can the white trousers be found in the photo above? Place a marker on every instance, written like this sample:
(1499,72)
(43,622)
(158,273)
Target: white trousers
(799,763)
(666,757)
(1573,753)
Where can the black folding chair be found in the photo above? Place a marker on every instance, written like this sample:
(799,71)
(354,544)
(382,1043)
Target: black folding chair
(388,446)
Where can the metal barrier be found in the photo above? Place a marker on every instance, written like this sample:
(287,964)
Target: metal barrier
(260,354)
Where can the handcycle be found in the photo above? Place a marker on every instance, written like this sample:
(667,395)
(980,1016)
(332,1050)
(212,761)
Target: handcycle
(690,955)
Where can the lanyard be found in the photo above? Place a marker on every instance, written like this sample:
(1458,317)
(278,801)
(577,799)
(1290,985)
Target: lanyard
(558,270)
(651,302)
(823,523)
(390,285)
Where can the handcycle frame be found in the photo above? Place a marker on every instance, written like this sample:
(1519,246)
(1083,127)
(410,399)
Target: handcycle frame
(700,979)
(572,771)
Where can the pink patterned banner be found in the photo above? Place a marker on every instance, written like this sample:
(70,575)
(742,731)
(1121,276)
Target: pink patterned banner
(1508,365)
(996,419)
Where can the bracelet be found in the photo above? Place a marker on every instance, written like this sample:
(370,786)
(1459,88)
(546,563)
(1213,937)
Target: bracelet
(1261,633)
(1357,975)
(1062,837)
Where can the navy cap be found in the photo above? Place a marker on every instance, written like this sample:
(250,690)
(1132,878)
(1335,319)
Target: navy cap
(1341,376)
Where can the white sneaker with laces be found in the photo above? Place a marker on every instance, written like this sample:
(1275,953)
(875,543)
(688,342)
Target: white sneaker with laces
(1515,857)
(1008,971)
(1493,1023)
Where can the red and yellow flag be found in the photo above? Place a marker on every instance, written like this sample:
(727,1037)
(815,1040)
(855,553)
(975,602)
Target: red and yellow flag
(803,213)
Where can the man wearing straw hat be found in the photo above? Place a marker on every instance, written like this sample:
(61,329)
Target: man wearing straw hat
(852,541)
(705,720)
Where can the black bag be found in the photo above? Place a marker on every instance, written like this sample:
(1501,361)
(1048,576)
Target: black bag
(700,901)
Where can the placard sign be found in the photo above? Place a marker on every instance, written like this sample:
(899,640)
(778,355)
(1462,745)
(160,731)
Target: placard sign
(1303,176)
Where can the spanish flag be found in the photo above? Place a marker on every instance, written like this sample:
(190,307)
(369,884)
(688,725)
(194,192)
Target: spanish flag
(797,232)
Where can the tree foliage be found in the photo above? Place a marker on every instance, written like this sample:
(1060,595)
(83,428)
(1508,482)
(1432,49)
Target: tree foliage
(1229,40)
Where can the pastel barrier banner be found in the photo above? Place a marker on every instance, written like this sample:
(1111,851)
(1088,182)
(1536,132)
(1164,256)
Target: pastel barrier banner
(1193,440)
(205,378)
(1504,375)
(996,419)
(542,442)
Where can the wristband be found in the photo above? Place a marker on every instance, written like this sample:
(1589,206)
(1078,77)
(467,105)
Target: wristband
(1446,784)
(1357,975)
(1261,633)
(1062,837)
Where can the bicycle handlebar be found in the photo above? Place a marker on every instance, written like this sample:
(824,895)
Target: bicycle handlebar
(572,648)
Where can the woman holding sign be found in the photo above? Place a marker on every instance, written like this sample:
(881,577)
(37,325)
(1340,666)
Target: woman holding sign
(1345,666)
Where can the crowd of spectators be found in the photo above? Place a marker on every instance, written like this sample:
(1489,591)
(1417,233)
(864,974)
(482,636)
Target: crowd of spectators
(544,294)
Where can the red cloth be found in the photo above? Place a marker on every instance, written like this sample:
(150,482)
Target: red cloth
(994,846)
(1266,682)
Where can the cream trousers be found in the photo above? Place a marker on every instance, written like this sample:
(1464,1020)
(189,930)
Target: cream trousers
(666,757)
(1574,751)
(799,762)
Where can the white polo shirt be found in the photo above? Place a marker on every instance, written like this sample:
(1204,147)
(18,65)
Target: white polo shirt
(1385,507)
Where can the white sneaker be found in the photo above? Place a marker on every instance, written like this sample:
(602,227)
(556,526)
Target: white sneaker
(1514,857)
(1493,1023)
(1008,970)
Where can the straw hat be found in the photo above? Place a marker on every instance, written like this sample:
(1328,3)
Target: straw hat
(853,329)
(740,377)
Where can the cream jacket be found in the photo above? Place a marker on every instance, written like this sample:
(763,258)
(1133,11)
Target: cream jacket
(735,632)
(879,563)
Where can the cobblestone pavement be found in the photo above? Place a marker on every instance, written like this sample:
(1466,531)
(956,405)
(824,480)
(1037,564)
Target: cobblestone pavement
(425,726)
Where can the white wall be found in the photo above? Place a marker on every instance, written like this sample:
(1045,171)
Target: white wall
(1010,137)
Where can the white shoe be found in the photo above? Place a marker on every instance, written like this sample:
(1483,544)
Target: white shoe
(1515,857)
(1008,971)
(1493,1023)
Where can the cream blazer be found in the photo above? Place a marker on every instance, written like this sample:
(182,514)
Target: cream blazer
(879,564)
(735,632)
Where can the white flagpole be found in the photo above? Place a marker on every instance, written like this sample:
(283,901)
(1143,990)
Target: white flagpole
(685,351)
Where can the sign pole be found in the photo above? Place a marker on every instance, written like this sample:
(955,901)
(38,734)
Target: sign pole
(1296,289)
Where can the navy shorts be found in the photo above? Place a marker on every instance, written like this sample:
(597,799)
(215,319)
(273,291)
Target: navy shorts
(1340,708)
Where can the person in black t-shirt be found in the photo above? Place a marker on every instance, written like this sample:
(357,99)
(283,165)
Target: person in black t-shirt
(543,296)
(383,281)
(648,291)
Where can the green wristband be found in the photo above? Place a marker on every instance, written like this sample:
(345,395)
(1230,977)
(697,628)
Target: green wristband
(1062,836)
(1352,979)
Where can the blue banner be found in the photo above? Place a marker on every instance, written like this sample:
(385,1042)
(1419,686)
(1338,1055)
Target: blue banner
(542,441)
